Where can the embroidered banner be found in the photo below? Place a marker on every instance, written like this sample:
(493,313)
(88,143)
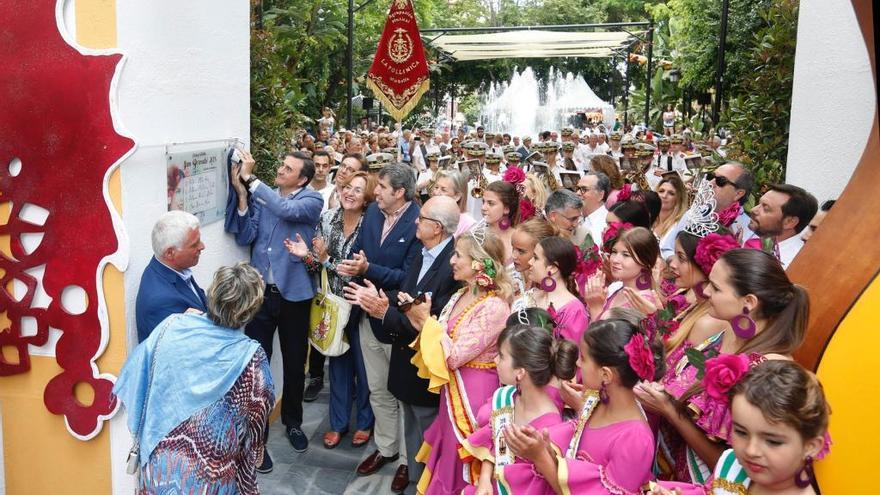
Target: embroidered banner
(399,74)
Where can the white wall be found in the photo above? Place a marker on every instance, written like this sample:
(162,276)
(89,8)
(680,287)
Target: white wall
(186,78)
(833,98)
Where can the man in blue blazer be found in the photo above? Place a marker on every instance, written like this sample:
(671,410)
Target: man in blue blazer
(167,285)
(263,222)
(382,254)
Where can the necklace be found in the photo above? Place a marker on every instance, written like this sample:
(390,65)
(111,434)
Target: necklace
(471,306)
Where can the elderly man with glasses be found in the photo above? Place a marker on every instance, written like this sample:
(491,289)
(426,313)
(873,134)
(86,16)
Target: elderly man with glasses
(593,189)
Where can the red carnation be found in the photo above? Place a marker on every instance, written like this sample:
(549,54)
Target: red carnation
(612,232)
(641,359)
(722,373)
(526,208)
(711,247)
(624,193)
(514,175)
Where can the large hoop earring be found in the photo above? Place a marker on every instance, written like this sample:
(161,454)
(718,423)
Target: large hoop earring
(547,283)
(644,280)
(504,223)
(603,394)
(804,476)
(743,325)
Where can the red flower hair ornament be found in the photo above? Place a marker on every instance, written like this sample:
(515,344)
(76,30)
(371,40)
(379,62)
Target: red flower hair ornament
(641,358)
(612,232)
(711,247)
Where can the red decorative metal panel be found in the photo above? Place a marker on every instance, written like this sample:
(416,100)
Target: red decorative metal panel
(57,145)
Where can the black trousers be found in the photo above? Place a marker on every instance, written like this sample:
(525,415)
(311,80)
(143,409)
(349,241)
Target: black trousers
(292,321)
(316,363)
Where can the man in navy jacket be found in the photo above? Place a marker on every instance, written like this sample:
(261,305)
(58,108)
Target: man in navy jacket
(167,285)
(264,221)
(382,254)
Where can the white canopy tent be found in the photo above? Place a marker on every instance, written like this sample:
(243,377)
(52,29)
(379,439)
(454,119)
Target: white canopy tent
(533,44)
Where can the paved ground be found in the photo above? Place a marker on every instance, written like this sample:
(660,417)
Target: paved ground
(319,470)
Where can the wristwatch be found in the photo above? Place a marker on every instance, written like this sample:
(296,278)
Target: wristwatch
(250,180)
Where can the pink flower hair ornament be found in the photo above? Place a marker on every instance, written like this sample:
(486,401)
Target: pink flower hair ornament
(485,276)
(711,247)
(641,357)
(612,232)
(514,175)
(624,193)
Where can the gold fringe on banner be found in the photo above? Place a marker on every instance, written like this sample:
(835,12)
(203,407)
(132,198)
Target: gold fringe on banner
(398,106)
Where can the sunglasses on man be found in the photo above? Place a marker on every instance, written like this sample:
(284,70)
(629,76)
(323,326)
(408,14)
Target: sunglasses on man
(720,180)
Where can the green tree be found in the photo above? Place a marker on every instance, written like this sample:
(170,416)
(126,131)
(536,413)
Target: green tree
(759,116)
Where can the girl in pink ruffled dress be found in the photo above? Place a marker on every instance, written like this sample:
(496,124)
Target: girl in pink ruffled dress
(551,272)
(780,422)
(608,448)
(529,358)
(632,253)
(767,317)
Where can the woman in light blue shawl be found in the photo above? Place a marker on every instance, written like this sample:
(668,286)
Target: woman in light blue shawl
(198,393)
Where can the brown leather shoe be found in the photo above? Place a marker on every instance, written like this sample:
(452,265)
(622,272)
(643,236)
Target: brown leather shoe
(373,463)
(401,479)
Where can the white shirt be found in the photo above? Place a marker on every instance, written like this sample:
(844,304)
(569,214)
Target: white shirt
(325,193)
(740,229)
(788,249)
(594,224)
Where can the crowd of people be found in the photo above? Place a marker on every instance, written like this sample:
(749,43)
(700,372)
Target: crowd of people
(588,312)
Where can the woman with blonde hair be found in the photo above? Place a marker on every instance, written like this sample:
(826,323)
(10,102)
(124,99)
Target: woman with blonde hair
(673,205)
(454,184)
(457,352)
(536,191)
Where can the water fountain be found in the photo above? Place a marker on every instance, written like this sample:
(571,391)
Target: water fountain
(526,105)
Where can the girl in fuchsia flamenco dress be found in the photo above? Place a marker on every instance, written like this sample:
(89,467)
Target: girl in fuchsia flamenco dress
(608,448)
(529,358)
(780,422)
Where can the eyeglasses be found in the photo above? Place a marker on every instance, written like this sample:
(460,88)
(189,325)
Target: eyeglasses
(583,189)
(407,305)
(720,180)
(422,217)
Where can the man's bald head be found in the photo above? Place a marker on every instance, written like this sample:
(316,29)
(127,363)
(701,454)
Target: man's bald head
(445,211)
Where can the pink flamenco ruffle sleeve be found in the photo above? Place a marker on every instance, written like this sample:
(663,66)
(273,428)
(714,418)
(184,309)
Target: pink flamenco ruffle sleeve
(628,467)
(477,336)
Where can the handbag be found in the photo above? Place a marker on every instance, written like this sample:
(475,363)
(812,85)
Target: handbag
(327,320)
(132,462)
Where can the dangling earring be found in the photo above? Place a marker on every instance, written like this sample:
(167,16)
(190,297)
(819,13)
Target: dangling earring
(518,390)
(504,223)
(699,290)
(644,280)
(603,394)
(743,325)
(547,283)
(804,476)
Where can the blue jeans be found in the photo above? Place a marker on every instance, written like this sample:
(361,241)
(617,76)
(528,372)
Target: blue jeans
(347,376)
